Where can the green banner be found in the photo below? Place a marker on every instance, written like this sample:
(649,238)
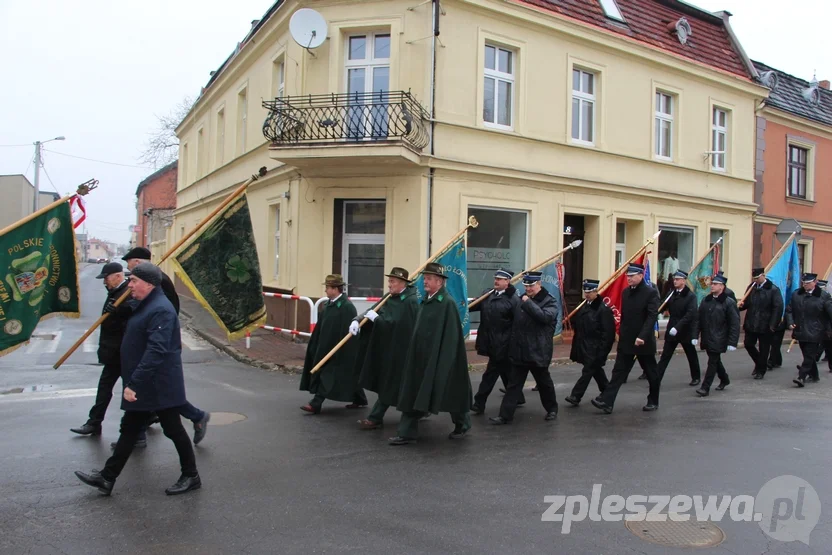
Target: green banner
(220,266)
(40,276)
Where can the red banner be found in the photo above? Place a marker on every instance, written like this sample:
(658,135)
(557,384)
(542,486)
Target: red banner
(611,294)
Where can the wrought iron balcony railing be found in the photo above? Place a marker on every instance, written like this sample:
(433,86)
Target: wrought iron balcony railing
(346,118)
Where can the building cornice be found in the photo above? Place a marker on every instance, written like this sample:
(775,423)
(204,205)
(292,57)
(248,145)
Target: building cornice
(782,117)
(775,220)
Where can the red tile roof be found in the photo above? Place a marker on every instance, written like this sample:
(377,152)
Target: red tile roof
(647,21)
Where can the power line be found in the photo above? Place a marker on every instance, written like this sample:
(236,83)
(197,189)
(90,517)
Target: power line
(50,180)
(98,161)
(10,146)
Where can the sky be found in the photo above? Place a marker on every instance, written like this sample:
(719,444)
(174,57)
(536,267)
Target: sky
(99,72)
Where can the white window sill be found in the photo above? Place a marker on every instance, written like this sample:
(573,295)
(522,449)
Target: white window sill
(801,201)
(498,127)
(719,170)
(579,142)
(664,159)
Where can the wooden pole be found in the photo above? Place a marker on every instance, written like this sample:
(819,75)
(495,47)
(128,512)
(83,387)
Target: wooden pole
(770,264)
(167,255)
(573,245)
(472,223)
(698,262)
(828,271)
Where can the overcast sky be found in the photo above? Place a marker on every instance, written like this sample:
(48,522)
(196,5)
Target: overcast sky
(98,71)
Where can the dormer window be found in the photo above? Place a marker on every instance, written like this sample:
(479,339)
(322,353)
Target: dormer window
(611,10)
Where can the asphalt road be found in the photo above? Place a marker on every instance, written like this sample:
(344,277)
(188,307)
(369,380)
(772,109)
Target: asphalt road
(279,481)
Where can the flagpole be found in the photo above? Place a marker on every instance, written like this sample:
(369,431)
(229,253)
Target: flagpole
(472,223)
(828,271)
(83,190)
(574,244)
(618,272)
(698,262)
(770,264)
(230,198)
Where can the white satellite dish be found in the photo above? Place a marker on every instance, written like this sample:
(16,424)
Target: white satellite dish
(308,28)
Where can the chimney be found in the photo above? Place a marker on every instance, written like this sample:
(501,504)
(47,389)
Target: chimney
(824,84)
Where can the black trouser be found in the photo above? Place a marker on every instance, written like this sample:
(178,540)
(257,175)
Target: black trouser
(670,344)
(761,356)
(775,357)
(132,424)
(810,364)
(360,398)
(593,370)
(109,376)
(623,364)
(495,369)
(715,368)
(516,381)
(827,347)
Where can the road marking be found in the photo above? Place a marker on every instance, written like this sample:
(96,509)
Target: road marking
(91,342)
(47,395)
(53,345)
(192,343)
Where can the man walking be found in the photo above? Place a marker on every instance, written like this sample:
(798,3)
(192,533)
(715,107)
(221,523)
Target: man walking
(719,326)
(639,312)
(151,363)
(827,343)
(809,316)
(530,349)
(594,327)
(764,306)
(681,327)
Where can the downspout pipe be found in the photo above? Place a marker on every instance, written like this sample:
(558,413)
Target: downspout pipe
(435,21)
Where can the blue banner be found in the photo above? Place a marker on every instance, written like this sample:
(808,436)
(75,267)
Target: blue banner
(650,283)
(551,282)
(455,262)
(785,273)
(699,278)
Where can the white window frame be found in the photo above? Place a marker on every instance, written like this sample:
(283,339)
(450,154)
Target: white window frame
(242,119)
(370,62)
(620,248)
(661,118)
(357,238)
(611,10)
(498,76)
(276,241)
(221,124)
(279,77)
(200,152)
(810,147)
(584,98)
(183,164)
(719,159)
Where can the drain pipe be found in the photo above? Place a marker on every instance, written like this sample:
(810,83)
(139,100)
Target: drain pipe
(436,12)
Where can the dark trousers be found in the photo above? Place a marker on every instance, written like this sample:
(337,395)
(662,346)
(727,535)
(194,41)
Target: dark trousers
(495,369)
(715,368)
(670,344)
(590,371)
(409,424)
(760,357)
(623,365)
(775,357)
(109,376)
(191,412)
(132,424)
(360,398)
(514,390)
(810,364)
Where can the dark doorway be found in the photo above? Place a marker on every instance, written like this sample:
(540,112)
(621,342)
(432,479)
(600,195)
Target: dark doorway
(573,261)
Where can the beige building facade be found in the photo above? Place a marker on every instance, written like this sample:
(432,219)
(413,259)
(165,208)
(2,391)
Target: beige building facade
(547,125)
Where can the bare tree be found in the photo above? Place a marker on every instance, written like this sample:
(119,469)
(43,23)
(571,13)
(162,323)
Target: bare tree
(162,145)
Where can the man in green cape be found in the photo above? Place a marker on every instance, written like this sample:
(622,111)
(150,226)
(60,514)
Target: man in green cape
(383,345)
(337,379)
(435,376)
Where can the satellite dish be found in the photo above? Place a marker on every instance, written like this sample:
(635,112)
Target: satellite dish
(308,28)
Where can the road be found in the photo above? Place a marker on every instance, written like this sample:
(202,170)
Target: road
(279,481)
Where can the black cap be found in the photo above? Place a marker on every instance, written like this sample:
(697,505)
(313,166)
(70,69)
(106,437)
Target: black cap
(148,272)
(109,269)
(138,252)
(757,272)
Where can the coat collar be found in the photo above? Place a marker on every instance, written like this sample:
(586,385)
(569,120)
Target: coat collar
(438,297)
(816,292)
(684,292)
(720,299)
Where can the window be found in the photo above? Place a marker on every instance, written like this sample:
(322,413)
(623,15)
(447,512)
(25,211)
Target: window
(583,106)
(676,251)
(220,137)
(664,126)
(368,79)
(715,235)
(719,135)
(498,87)
(502,244)
(620,243)
(278,78)
(183,164)
(200,153)
(363,247)
(801,256)
(798,159)
(611,10)
(242,120)
(276,241)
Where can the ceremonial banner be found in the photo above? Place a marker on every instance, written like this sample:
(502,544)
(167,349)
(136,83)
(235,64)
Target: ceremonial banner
(699,277)
(551,281)
(220,266)
(785,273)
(455,262)
(611,294)
(650,283)
(40,277)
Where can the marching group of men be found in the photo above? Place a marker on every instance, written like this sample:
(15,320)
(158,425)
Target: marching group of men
(412,353)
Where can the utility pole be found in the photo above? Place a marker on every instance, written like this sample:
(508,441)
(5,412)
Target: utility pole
(37,176)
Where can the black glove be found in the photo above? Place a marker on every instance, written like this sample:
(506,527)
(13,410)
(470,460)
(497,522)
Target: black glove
(110,307)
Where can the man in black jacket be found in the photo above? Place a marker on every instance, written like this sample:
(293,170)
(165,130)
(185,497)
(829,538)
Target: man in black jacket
(719,326)
(639,312)
(594,327)
(681,327)
(764,306)
(809,315)
(530,349)
(827,343)
(494,334)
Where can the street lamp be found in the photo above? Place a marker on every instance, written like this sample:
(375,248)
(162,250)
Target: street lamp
(38,145)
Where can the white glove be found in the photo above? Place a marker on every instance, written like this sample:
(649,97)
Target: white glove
(694,342)
(731,349)
(372,315)
(673,332)
(354,329)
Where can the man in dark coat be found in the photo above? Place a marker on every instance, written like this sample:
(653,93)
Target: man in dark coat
(494,334)
(435,376)
(383,345)
(151,371)
(337,380)
(827,344)
(764,306)
(639,312)
(719,327)
(681,327)
(809,316)
(530,349)
(594,327)
(109,348)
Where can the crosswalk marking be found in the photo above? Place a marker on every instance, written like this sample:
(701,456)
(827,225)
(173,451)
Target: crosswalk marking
(38,396)
(91,342)
(192,343)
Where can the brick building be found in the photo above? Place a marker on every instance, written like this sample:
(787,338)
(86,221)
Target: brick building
(156,201)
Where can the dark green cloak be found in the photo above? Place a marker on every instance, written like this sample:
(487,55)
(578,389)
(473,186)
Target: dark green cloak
(338,379)
(435,375)
(384,346)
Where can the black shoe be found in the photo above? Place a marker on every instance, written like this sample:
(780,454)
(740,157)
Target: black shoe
(521,402)
(96,480)
(503,391)
(650,407)
(573,401)
(602,405)
(694,381)
(498,420)
(477,410)
(535,388)
(153,420)
(723,385)
(140,443)
(184,484)
(457,434)
(800,382)
(551,416)
(200,428)
(702,392)
(398,440)
(87,430)
(758,376)
(643,376)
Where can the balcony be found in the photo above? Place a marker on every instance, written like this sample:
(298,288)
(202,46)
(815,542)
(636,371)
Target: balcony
(346,129)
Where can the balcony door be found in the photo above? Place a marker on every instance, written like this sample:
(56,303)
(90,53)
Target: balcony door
(368,81)
(363,247)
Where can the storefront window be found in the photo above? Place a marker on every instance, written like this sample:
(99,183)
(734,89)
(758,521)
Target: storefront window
(675,253)
(715,235)
(363,248)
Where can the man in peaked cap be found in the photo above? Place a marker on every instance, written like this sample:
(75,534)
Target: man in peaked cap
(764,306)
(435,376)
(338,378)
(827,344)
(681,326)
(639,312)
(809,316)
(719,328)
